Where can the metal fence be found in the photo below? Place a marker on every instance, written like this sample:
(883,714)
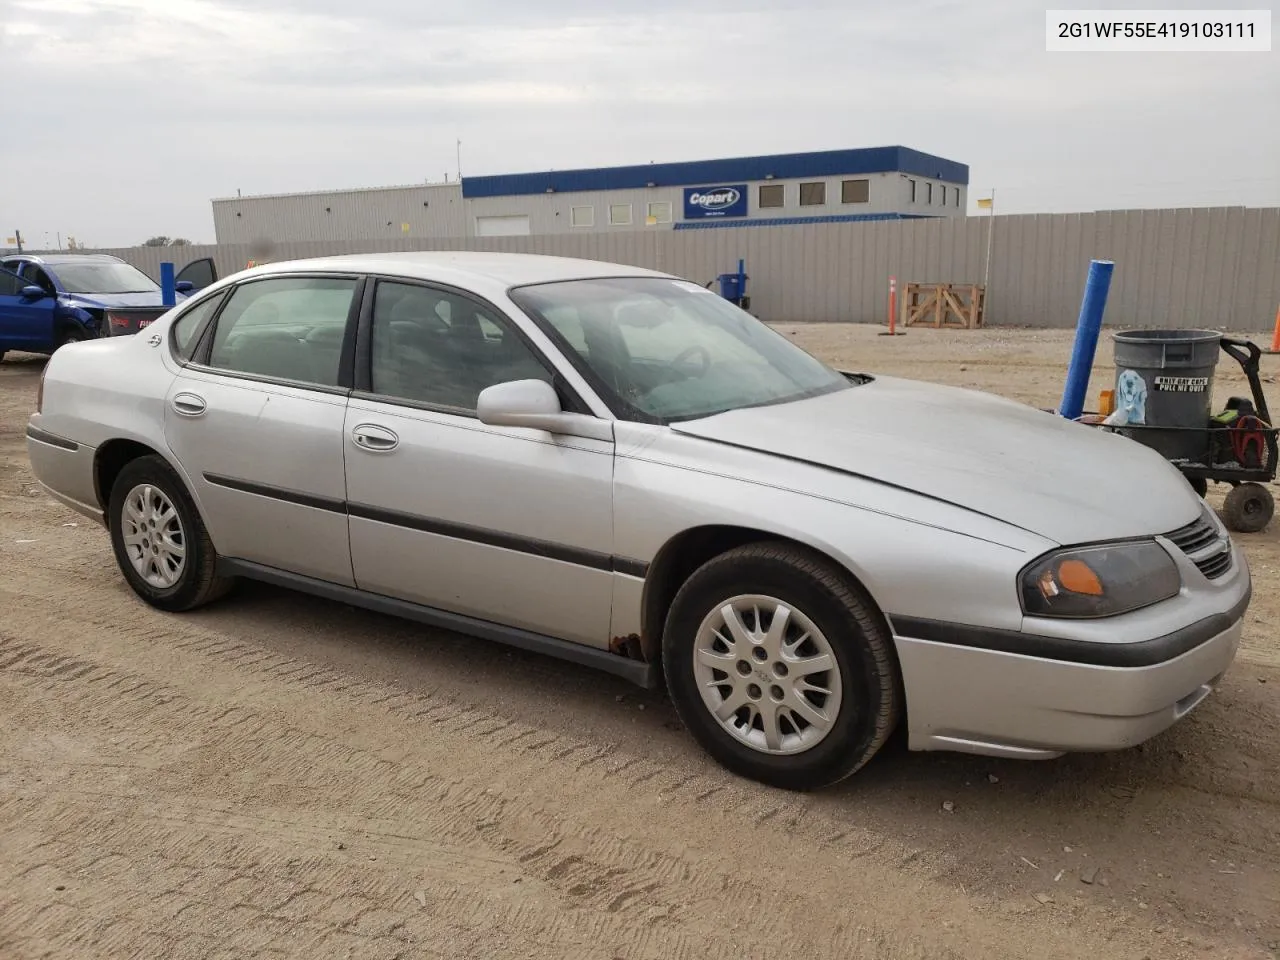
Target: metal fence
(1205,267)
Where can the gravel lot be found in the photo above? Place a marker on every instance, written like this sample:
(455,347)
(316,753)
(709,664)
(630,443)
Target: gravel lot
(279,776)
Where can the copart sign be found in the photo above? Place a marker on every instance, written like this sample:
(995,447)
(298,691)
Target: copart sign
(722,201)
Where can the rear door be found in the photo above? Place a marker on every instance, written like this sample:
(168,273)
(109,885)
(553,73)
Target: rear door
(256,419)
(26,323)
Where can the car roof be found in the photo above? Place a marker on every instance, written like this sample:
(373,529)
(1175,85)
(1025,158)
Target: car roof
(508,269)
(55,258)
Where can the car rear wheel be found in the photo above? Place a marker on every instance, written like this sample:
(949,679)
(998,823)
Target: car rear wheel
(780,667)
(160,542)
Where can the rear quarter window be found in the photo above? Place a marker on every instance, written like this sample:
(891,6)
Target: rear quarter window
(188,327)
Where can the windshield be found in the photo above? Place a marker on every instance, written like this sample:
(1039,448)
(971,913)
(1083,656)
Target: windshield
(102,277)
(660,350)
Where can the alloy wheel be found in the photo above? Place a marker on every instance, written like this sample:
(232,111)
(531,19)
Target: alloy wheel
(767,674)
(153,537)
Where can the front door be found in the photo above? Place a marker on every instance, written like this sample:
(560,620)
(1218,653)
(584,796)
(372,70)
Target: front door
(257,421)
(26,323)
(199,273)
(508,525)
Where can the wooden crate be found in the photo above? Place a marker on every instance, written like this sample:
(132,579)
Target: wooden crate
(943,305)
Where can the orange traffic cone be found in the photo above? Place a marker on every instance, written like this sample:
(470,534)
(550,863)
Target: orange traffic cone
(1275,334)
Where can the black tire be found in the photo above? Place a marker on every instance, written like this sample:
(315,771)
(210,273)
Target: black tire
(2,353)
(197,583)
(1248,508)
(857,634)
(70,334)
(1200,485)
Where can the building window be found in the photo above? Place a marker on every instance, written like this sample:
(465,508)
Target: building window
(944,194)
(772,195)
(813,194)
(660,211)
(913,190)
(855,191)
(620,214)
(582,217)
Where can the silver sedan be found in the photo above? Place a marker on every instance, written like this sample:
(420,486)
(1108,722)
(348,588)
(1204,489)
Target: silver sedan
(617,467)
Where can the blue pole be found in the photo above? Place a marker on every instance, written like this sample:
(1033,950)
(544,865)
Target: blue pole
(1087,329)
(168,286)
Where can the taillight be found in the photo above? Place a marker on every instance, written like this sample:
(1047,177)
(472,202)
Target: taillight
(120,322)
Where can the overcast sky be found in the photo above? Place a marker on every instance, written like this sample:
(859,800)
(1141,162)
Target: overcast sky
(122,118)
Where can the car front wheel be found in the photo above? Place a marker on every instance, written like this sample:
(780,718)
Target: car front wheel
(159,540)
(781,667)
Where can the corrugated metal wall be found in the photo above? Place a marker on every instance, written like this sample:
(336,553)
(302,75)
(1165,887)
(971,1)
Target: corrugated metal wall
(429,210)
(1216,267)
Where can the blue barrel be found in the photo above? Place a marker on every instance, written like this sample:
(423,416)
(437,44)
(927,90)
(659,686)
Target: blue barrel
(730,286)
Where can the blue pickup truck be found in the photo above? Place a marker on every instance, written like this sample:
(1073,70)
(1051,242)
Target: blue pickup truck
(53,299)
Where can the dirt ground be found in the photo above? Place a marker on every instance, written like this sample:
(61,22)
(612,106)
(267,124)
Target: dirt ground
(279,776)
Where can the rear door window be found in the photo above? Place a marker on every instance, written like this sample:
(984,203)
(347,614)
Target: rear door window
(286,328)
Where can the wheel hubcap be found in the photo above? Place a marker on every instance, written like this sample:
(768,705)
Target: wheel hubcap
(153,537)
(767,674)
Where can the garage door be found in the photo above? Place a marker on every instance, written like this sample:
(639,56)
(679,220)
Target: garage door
(502,226)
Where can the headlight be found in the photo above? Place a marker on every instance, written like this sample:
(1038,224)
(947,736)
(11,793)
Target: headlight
(1099,581)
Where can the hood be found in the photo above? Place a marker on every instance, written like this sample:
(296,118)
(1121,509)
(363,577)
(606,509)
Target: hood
(1062,480)
(118,301)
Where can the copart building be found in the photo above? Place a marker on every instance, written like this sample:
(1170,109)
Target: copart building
(880,183)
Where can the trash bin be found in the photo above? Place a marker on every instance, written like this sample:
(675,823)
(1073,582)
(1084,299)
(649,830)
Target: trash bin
(729,286)
(1167,376)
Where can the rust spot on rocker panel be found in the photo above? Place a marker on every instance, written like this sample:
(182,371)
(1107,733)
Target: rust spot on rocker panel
(629,646)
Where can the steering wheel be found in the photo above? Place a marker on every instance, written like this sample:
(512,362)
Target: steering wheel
(689,351)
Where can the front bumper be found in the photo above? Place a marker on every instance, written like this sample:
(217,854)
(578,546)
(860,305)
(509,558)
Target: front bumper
(967,698)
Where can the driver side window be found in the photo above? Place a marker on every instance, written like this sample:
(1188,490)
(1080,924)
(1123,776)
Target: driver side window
(434,346)
(34,275)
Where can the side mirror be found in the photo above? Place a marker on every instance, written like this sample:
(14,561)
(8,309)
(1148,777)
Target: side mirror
(184,286)
(32,292)
(534,404)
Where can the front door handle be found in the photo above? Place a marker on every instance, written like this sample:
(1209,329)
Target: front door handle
(189,404)
(375,439)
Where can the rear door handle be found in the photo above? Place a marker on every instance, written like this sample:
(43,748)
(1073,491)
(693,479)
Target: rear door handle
(189,404)
(375,439)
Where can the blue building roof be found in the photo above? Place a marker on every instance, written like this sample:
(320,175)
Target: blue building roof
(785,166)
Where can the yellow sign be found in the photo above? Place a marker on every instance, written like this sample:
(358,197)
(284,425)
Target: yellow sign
(650,221)
(11,241)
(404,228)
(985,202)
